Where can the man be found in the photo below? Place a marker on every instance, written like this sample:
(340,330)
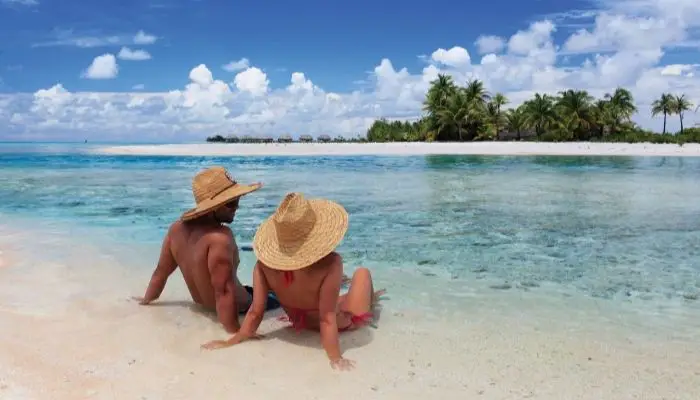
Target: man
(205,249)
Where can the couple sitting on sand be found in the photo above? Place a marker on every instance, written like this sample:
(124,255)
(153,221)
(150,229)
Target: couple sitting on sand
(297,267)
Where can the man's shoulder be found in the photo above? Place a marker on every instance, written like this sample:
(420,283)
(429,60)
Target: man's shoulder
(176,226)
(219,235)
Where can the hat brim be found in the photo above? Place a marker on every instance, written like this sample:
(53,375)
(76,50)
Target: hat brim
(328,231)
(222,198)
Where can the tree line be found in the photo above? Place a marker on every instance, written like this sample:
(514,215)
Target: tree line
(471,113)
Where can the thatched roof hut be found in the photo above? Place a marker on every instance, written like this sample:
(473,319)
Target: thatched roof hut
(285,139)
(324,138)
(306,138)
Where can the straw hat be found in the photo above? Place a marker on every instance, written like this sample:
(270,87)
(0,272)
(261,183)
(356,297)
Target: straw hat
(300,232)
(213,188)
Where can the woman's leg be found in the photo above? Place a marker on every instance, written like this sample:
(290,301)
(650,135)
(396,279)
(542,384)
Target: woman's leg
(359,300)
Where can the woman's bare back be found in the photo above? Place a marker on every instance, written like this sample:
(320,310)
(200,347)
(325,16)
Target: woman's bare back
(300,290)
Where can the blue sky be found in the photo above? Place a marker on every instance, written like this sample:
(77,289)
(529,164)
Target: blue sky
(334,45)
(152,48)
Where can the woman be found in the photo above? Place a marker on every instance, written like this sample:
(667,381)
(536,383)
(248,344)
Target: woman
(296,260)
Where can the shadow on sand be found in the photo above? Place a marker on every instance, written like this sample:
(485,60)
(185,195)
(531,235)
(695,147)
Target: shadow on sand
(348,340)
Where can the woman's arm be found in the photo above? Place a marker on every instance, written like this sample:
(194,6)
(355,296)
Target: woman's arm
(327,308)
(253,317)
(255,313)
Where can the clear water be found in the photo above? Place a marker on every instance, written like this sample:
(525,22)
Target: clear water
(614,228)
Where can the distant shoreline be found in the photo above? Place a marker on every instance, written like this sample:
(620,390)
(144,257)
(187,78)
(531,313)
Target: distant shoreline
(406,149)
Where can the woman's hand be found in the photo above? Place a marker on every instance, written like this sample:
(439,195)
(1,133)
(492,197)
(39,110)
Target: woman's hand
(218,344)
(342,364)
(235,339)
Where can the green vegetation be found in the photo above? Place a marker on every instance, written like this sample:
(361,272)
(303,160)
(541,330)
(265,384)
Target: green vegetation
(471,113)
(282,139)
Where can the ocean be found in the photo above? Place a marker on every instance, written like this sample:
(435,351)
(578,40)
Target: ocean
(507,277)
(622,230)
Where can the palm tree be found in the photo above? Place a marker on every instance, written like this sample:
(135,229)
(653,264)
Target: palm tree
(621,106)
(664,105)
(680,105)
(455,114)
(494,117)
(601,115)
(499,100)
(539,112)
(440,90)
(477,97)
(516,121)
(476,92)
(574,106)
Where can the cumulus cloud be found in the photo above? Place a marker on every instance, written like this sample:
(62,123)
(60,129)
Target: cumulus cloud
(625,45)
(233,66)
(490,44)
(252,80)
(142,37)
(454,57)
(133,55)
(102,67)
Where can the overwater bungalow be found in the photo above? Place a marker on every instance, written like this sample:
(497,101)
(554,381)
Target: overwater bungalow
(285,139)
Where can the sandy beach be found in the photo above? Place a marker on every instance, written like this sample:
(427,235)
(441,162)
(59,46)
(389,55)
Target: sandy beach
(82,338)
(413,148)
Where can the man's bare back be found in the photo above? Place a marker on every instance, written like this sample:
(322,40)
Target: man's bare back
(190,246)
(207,254)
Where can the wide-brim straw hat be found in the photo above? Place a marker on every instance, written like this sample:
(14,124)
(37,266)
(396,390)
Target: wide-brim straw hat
(300,232)
(212,188)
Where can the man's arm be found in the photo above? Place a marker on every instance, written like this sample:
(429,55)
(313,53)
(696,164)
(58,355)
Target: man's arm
(165,267)
(252,320)
(220,263)
(328,301)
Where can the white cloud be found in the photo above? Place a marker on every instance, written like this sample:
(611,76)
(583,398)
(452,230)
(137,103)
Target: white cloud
(625,45)
(139,86)
(28,3)
(144,38)
(133,55)
(490,44)
(252,80)
(102,67)
(71,39)
(677,70)
(233,66)
(454,57)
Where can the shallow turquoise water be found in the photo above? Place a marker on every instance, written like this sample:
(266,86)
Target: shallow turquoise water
(608,227)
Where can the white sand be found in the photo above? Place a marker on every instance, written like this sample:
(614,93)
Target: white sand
(476,148)
(108,348)
(69,332)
